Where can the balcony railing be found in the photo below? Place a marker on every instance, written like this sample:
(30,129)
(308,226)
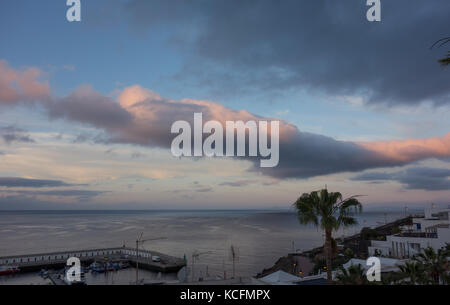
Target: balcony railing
(417,234)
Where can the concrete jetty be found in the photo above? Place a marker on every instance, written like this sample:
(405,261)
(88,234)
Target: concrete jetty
(55,260)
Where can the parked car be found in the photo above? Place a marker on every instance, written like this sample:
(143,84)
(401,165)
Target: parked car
(156,258)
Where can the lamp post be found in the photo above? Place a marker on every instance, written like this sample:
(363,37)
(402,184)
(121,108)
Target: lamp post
(141,241)
(196,255)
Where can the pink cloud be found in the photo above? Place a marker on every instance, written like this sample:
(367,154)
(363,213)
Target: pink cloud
(18,86)
(410,150)
(140,116)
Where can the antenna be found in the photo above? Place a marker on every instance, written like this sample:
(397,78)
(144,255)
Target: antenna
(195,257)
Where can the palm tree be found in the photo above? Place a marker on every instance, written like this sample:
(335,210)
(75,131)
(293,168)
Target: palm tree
(355,275)
(330,212)
(446,60)
(414,271)
(435,264)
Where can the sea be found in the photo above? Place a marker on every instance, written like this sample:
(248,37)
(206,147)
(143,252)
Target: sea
(259,237)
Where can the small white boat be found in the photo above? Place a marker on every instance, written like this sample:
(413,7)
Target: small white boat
(7,270)
(70,281)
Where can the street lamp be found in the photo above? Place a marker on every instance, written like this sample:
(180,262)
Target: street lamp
(141,241)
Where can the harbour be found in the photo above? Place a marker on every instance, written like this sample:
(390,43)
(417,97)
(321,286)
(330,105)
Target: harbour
(108,258)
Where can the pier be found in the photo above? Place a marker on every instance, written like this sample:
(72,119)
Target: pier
(55,260)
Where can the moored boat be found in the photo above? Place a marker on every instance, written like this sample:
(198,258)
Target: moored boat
(81,280)
(7,270)
(97,267)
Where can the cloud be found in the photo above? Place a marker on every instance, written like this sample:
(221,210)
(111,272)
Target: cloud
(204,190)
(137,155)
(421,178)
(79,194)
(142,117)
(373,176)
(10,182)
(304,155)
(238,183)
(411,149)
(88,106)
(325,45)
(38,200)
(82,138)
(24,202)
(11,134)
(21,85)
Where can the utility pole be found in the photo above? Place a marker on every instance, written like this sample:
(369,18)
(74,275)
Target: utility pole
(141,241)
(137,258)
(233,254)
(137,263)
(196,255)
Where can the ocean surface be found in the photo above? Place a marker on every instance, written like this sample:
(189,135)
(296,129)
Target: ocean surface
(260,237)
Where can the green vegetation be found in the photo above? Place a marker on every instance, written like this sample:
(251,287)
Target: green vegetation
(320,263)
(395,230)
(349,254)
(330,212)
(368,234)
(427,268)
(445,61)
(355,275)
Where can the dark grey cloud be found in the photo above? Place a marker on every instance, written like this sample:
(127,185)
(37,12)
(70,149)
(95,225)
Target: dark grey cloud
(144,118)
(70,193)
(32,183)
(11,134)
(322,44)
(82,138)
(421,178)
(238,183)
(23,200)
(305,155)
(87,106)
(78,194)
(302,155)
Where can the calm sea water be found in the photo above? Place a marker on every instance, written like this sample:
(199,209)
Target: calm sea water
(260,237)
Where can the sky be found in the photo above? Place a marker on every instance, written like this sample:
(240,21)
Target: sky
(86,107)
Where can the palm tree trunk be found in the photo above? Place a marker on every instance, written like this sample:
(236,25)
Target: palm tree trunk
(328,253)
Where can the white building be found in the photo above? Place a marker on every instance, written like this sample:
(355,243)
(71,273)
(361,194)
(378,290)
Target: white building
(430,231)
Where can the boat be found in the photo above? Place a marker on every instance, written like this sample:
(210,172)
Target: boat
(44,273)
(7,270)
(124,265)
(97,267)
(111,267)
(81,281)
